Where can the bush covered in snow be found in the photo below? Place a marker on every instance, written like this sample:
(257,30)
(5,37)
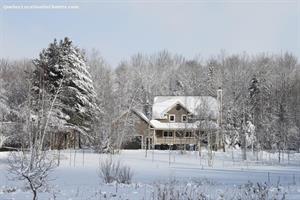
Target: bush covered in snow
(113,171)
(171,191)
(125,175)
(199,189)
(260,191)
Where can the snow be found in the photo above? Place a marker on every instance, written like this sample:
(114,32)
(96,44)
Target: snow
(194,104)
(77,176)
(141,114)
(205,125)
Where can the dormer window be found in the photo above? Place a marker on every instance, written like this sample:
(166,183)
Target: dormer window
(171,118)
(183,118)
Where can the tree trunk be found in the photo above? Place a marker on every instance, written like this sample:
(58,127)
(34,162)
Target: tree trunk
(199,148)
(279,155)
(209,150)
(34,195)
(79,141)
(244,147)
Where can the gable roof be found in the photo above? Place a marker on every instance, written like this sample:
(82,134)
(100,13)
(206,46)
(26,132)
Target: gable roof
(204,106)
(140,114)
(175,104)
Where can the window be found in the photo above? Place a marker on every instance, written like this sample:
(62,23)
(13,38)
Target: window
(188,134)
(165,133)
(168,134)
(183,118)
(172,118)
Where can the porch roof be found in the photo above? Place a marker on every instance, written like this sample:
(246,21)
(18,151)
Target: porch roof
(200,125)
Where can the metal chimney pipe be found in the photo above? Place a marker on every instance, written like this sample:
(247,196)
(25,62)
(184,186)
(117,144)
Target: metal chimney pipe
(220,136)
(220,107)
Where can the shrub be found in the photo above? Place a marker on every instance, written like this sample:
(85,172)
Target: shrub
(173,190)
(125,175)
(111,170)
(260,191)
(7,189)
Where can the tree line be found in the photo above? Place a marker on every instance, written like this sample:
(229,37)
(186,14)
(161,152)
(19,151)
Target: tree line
(68,89)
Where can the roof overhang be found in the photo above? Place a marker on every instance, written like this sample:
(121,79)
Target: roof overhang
(198,125)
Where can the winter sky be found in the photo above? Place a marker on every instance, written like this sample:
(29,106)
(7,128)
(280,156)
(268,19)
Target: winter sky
(119,29)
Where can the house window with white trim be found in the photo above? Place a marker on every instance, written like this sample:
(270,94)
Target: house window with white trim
(171,118)
(168,134)
(183,118)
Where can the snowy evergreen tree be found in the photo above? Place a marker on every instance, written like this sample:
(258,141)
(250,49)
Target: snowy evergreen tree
(4,110)
(211,81)
(4,107)
(253,89)
(61,73)
(254,93)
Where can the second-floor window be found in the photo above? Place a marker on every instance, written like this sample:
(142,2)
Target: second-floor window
(172,118)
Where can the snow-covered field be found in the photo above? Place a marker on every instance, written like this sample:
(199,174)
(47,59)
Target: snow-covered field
(165,172)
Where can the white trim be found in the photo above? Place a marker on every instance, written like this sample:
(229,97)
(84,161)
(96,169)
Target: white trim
(207,125)
(185,118)
(174,105)
(170,118)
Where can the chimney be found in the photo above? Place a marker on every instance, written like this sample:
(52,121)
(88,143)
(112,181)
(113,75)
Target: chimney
(219,136)
(147,109)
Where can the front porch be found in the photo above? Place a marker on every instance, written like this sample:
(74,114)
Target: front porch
(156,138)
(175,137)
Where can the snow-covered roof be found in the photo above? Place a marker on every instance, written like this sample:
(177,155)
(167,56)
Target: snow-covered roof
(140,114)
(205,106)
(203,125)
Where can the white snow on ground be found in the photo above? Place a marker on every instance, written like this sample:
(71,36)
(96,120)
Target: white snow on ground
(77,177)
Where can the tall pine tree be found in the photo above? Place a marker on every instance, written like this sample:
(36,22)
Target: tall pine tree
(254,101)
(61,76)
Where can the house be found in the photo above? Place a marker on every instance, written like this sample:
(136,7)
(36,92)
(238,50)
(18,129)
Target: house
(181,121)
(135,127)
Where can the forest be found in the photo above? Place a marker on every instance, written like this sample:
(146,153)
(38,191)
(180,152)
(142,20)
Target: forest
(260,89)
(71,98)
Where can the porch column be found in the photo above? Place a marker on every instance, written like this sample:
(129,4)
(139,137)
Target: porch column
(173,137)
(142,142)
(154,138)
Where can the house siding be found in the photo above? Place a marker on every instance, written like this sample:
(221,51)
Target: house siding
(141,127)
(177,113)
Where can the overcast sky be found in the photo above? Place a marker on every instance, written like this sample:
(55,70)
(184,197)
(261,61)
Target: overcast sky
(119,29)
